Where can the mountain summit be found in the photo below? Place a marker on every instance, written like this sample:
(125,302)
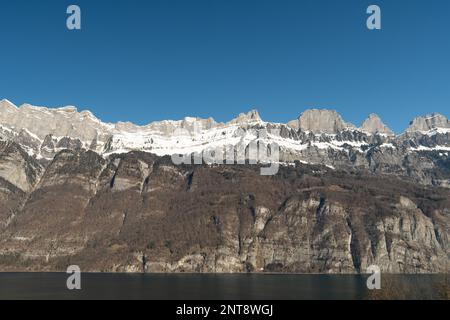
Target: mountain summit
(317,136)
(373,125)
(7,105)
(429,122)
(251,116)
(320,121)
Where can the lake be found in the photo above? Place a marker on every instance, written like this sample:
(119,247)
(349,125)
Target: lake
(47,286)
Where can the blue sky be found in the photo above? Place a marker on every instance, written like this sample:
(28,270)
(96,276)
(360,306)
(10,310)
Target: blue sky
(142,61)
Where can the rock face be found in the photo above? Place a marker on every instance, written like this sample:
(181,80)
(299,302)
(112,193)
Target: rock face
(251,116)
(106,214)
(41,122)
(374,125)
(429,122)
(17,168)
(320,121)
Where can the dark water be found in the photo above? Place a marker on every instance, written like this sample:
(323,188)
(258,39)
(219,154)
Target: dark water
(194,286)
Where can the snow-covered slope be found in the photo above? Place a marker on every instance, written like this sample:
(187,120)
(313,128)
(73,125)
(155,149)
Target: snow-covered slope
(42,132)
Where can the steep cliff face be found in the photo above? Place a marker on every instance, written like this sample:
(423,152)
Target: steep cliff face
(374,125)
(429,122)
(321,121)
(107,214)
(17,167)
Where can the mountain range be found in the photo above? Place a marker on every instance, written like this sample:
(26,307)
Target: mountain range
(76,190)
(316,137)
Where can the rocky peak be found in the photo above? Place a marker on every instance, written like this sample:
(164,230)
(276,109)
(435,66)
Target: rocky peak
(41,121)
(374,125)
(320,121)
(204,124)
(7,105)
(251,116)
(169,127)
(428,122)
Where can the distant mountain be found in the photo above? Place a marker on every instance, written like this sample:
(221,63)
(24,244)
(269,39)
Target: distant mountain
(374,125)
(434,121)
(321,121)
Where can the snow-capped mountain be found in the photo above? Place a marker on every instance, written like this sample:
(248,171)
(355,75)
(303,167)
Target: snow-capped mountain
(316,137)
(73,188)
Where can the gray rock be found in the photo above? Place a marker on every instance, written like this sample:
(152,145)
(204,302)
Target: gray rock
(245,118)
(321,121)
(428,122)
(374,125)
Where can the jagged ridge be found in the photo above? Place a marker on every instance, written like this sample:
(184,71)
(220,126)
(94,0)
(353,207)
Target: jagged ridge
(317,136)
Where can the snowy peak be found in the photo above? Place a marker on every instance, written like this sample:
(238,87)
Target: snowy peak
(429,122)
(30,108)
(168,127)
(41,121)
(320,121)
(43,132)
(7,105)
(374,125)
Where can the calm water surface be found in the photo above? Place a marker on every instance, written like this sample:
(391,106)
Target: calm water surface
(192,286)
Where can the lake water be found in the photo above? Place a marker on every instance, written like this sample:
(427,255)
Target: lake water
(197,286)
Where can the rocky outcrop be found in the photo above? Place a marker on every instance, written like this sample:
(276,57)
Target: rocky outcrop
(429,122)
(17,168)
(244,118)
(374,125)
(321,121)
(62,122)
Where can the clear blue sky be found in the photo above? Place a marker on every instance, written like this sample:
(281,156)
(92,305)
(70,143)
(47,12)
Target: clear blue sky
(150,60)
